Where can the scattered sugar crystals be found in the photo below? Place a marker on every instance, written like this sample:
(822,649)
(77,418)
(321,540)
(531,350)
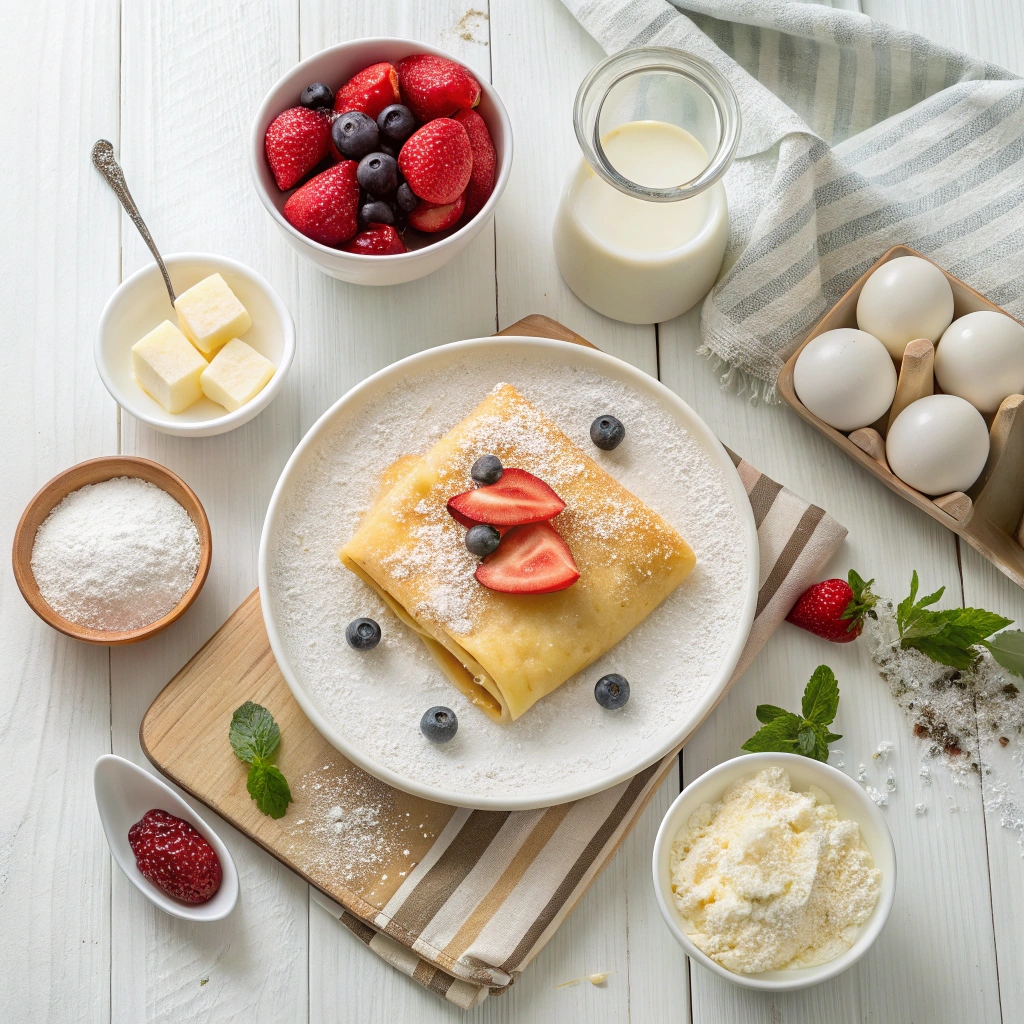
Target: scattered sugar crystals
(880,798)
(920,809)
(885,748)
(890,781)
(862,773)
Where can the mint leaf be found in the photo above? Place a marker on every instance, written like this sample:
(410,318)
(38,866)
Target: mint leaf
(821,696)
(949,637)
(267,786)
(807,740)
(253,733)
(778,735)
(769,712)
(1007,648)
(806,733)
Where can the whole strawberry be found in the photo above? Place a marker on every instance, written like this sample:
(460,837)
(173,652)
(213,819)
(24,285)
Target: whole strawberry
(370,91)
(436,87)
(325,208)
(175,857)
(296,141)
(437,161)
(835,609)
(481,180)
(377,240)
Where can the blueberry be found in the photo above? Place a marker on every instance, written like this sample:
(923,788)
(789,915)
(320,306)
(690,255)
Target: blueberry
(378,173)
(354,134)
(482,540)
(362,634)
(407,199)
(387,147)
(487,469)
(439,725)
(377,212)
(317,95)
(607,432)
(612,691)
(396,122)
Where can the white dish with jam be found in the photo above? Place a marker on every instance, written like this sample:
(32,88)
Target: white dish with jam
(678,660)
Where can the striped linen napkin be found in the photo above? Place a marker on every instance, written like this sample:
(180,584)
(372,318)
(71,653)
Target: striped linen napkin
(495,885)
(856,137)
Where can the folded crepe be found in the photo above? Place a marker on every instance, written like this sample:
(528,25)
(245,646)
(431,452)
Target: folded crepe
(506,651)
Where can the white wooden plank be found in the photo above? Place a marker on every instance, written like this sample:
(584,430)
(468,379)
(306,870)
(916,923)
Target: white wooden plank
(986,587)
(992,29)
(58,262)
(192,77)
(918,969)
(540,56)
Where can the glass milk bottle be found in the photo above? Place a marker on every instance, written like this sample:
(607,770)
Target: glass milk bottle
(642,225)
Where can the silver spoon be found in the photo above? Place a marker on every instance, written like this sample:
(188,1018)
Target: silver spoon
(105,162)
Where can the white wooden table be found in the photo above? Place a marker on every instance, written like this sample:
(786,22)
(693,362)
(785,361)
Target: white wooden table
(174,84)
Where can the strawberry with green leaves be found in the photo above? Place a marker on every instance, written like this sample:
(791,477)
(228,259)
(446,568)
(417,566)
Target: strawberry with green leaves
(835,609)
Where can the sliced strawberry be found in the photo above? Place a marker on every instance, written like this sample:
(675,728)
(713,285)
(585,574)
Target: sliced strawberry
(296,141)
(324,209)
(430,217)
(436,87)
(377,240)
(437,161)
(531,559)
(373,89)
(481,179)
(517,498)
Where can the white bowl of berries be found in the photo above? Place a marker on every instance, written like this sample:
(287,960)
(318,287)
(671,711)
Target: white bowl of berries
(380,159)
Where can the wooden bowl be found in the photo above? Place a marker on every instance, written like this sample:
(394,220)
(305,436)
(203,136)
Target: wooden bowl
(989,515)
(93,472)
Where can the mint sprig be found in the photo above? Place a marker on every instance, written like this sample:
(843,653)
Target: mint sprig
(806,733)
(1008,649)
(254,736)
(951,637)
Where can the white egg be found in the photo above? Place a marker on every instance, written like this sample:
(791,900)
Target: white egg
(938,444)
(904,299)
(845,377)
(981,358)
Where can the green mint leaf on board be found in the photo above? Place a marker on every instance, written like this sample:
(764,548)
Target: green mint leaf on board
(821,696)
(778,735)
(806,733)
(268,787)
(807,740)
(1008,649)
(950,636)
(769,712)
(253,733)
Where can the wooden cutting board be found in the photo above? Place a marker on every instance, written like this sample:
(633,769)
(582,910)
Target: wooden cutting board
(185,734)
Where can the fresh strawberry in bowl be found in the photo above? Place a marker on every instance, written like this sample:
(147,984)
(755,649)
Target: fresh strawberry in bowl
(430,142)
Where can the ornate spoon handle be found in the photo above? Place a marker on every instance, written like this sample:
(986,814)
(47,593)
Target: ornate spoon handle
(105,162)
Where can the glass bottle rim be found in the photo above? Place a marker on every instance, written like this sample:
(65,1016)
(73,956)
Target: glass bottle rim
(643,60)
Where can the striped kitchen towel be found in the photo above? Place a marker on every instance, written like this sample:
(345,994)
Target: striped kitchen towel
(856,136)
(494,886)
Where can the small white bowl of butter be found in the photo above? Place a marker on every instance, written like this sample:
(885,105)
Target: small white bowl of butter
(851,804)
(141,305)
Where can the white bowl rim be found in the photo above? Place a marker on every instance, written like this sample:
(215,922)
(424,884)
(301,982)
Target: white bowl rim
(803,977)
(500,803)
(256,154)
(230,420)
(176,908)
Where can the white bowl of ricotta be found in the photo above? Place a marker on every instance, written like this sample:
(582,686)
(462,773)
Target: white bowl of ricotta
(771,870)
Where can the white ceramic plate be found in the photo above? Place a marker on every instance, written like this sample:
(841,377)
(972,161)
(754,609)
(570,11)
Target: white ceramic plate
(141,303)
(369,704)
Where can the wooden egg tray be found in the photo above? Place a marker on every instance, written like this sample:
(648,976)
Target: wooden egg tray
(989,515)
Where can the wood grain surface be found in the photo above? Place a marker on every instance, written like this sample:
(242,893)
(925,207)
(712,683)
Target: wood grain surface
(174,84)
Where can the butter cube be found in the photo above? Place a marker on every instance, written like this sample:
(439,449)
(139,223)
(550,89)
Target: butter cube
(237,374)
(168,368)
(210,314)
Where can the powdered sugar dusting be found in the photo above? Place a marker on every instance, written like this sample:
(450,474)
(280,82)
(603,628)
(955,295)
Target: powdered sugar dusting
(375,699)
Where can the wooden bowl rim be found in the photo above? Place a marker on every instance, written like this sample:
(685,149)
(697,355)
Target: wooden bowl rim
(72,479)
